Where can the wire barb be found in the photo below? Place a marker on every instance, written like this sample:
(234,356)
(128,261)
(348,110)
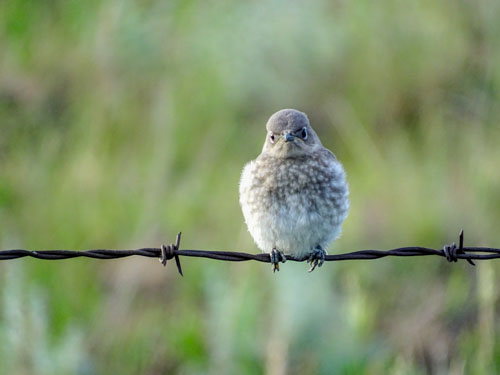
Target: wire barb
(172,251)
(451,251)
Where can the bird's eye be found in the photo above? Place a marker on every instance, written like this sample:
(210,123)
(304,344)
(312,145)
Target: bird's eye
(304,134)
(271,137)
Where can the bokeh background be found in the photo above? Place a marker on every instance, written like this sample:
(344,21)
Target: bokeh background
(123,122)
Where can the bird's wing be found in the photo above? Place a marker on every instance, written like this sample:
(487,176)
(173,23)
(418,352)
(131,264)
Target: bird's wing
(328,154)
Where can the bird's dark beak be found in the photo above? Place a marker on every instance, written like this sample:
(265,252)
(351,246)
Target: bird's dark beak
(288,137)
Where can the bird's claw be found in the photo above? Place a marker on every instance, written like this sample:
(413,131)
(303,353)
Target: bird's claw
(317,258)
(276,257)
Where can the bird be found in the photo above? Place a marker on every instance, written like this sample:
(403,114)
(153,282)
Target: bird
(294,196)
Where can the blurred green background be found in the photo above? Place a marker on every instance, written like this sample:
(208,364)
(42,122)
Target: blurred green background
(123,122)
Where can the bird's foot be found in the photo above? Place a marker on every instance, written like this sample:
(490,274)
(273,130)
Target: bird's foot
(277,257)
(317,258)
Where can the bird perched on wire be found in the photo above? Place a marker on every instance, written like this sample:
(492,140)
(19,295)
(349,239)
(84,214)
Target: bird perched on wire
(294,196)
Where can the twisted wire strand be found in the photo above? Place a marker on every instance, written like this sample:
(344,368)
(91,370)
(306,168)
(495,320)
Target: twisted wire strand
(451,252)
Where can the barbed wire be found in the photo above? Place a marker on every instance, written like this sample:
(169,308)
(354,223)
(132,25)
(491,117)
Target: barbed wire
(167,252)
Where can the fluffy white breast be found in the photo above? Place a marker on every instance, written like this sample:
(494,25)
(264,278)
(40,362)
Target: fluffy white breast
(294,205)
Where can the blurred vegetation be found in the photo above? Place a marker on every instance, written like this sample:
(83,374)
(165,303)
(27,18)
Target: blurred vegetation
(124,122)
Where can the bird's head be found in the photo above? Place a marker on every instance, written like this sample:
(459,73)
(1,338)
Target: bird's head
(289,134)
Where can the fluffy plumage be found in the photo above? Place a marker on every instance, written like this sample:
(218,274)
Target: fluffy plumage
(294,196)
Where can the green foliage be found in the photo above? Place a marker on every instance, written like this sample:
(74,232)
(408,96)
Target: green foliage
(124,122)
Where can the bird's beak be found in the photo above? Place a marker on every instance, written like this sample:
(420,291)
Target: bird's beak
(288,137)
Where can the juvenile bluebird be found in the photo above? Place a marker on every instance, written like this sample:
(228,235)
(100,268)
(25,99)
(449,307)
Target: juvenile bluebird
(294,196)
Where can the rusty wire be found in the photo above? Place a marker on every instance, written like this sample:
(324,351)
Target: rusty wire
(451,252)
